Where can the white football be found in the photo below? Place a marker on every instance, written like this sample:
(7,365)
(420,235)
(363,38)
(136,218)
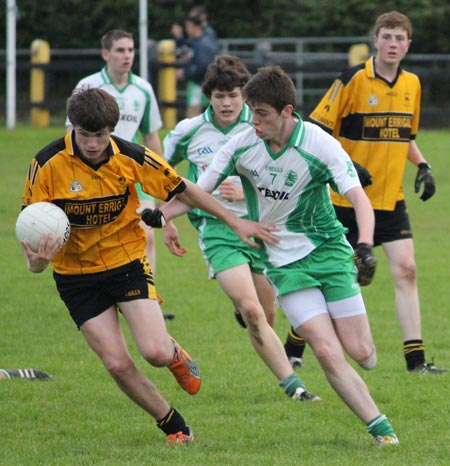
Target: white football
(39,218)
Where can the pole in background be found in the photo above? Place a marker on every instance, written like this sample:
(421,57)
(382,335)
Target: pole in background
(11,65)
(167,82)
(40,55)
(143,38)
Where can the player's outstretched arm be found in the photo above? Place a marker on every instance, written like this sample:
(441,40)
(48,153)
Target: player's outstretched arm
(195,196)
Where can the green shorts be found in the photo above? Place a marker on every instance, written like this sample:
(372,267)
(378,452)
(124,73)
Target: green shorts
(195,96)
(330,268)
(143,196)
(222,249)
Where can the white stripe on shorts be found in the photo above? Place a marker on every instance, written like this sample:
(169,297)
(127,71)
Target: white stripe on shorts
(300,306)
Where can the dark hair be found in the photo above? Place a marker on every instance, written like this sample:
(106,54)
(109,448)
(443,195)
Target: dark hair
(391,20)
(272,86)
(195,20)
(115,34)
(225,73)
(93,109)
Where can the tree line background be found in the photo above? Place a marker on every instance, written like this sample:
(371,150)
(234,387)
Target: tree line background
(80,24)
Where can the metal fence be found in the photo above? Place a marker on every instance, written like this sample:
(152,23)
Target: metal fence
(312,63)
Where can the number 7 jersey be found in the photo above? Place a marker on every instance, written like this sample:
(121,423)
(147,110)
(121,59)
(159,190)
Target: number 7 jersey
(288,189)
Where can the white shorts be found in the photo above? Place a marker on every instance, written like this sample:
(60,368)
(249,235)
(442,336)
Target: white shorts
(300,306)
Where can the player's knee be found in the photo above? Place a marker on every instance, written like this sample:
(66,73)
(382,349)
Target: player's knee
(328,356)
(119,368)
(407,271)
(251,311)
(157,356)
(371,361)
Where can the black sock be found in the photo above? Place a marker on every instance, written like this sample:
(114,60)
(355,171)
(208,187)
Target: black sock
(295,344)
(414,352)
(172,423)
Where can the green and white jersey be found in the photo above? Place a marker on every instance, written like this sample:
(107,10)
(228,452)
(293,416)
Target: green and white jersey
(288,189)
(138,106)
(197,140)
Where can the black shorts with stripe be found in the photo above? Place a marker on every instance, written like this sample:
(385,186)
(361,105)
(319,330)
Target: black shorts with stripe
(389,225)
(87,296)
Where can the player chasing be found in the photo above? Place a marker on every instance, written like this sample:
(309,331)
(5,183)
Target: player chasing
(286,166)
(237,267)
(103,269)
(373,110)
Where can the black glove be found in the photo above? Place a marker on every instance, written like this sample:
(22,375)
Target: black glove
(365,262)
(425,176)
(152,217)
(365,178)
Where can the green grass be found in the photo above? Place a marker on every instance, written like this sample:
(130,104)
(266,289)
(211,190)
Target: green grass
(240,417)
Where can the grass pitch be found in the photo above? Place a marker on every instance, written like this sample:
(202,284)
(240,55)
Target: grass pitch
(240,417)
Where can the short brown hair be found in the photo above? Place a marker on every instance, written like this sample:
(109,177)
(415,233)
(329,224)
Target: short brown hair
(115,34)
(224,74)
(391,20)
(271,86)
(93,109)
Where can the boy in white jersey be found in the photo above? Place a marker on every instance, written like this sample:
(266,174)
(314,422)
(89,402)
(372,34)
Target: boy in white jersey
(236,266)
(139,111)
(285,166)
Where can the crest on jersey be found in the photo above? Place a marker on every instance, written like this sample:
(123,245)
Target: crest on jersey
(373,100)
(290,178)
(76,187)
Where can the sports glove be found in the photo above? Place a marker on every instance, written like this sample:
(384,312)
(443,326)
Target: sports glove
(152,217)
(425,176)
(365,262)
(365,178)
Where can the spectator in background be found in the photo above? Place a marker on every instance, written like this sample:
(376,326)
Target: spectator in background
(195,52)
(208,30)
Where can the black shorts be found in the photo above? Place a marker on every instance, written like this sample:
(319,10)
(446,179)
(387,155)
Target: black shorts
(87,296)
(389,225)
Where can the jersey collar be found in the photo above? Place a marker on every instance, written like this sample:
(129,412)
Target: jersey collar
(298,134)
(107,79)
(372,72)
(73,150)
(244,117)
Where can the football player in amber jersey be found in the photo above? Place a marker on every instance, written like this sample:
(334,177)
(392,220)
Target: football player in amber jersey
(139,111)
(91,175)
(373,110)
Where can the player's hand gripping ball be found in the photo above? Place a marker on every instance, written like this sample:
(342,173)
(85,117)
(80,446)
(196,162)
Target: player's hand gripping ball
(365,262)
(42,218)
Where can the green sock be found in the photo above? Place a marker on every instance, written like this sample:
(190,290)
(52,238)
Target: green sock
(291,383)
(380,425)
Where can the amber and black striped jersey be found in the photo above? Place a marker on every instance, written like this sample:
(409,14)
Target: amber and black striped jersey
(375,121)
(100,200)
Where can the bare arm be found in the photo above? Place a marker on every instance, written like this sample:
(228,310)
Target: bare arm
(194,196)
(231,192)
(153,142)
(414,154)
(365,217)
